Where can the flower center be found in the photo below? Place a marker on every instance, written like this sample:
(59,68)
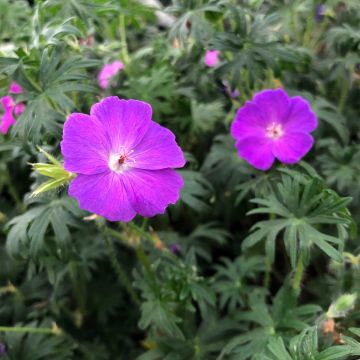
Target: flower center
(121,161)
(274,131)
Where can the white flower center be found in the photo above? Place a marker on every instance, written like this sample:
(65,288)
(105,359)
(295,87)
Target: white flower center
(274,131)
(121,161)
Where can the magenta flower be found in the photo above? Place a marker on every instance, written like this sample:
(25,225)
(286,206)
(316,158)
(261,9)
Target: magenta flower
(124,161)
(10,108)
(211,58)
(107,72)
(273,125)
(15,88)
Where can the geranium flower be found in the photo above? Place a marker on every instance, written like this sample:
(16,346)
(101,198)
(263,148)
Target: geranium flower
(273,125)
(211,58)
(320,12)
(107,72)
(10,108)
(15,88)
(124,161)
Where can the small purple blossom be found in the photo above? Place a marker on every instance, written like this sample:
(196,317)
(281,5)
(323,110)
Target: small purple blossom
(109,71)
(175,249)
(2,349)
(320,12)
(233,93)
(10,108)
(211,58)
(15,88)
(273,125)
(124,161)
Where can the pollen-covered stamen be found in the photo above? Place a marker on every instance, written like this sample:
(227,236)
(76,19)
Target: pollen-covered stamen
(119,162)
(274,131)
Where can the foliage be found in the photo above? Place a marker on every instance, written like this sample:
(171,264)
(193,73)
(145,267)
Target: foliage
(247,264)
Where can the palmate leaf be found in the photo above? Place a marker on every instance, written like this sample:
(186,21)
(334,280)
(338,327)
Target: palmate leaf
(301,207)
(157,88)
(341,166)
(46,90)
(223,165)
(344,38)
(14,18)
(191,20)
(269,321)
(276,349)
(197,190)
(331,115)
(27,231)
(204,116)
(233,279)
(254,45)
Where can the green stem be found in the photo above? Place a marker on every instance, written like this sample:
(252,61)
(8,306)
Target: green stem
(267,277)
(121,273)
(344,94)
(124,47)
(13,193)
(26,329)
(296,283)
(142,257)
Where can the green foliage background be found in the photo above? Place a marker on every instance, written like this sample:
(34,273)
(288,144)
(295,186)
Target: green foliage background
(268,266)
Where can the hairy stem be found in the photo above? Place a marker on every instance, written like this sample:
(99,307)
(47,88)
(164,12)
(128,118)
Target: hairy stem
(120,272)
(32,330)
(296,283)
(124,47)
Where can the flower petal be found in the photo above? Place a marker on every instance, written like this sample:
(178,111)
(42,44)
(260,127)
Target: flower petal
(125,121)
(249,121)
(158,150)
(257,151)
(7,103)
(15,88)
(300,118)
(85,145)
(152,191)
(107,72)
(6,121)
(273,103)
(103,194)
(292,147)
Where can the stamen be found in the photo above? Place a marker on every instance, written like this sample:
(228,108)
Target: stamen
(119,162)
(274,131)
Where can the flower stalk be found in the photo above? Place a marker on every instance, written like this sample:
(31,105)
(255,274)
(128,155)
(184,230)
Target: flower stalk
(120,272)
(298,275)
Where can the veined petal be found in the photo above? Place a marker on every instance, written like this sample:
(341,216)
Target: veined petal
(274,104)
(6,121)
(158,150)
(125,121)
(257,151)
(7,103)
(104,194)
(85,145)
(249,121)
(153,190)
(290,148)
(300,117)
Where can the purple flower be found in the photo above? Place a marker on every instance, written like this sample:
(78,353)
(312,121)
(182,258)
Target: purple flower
(320,12)
(123,159)
(229,91)
(273,125)
(2,349)
(10,108)
(107,72)
(211,58)
(15,88)
(175,249)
